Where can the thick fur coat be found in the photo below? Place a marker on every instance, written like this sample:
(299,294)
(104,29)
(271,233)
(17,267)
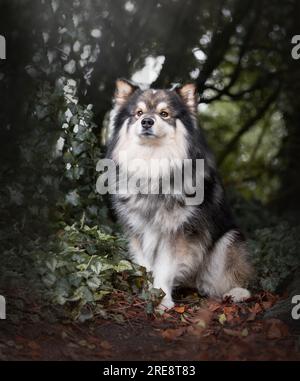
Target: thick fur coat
(182,244)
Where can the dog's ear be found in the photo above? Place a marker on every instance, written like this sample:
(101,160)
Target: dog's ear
(189,95)
(124,89)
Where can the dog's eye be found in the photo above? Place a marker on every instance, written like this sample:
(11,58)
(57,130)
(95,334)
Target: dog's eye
(139,113)
(164,114)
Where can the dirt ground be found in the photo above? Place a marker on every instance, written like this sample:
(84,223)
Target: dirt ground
(208,330)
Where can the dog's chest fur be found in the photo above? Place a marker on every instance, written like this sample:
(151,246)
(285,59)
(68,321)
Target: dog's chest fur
(166,213)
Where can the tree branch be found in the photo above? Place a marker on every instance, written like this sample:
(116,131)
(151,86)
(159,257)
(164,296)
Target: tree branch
(220,42)
(247,126)
(258,84)
(238,68)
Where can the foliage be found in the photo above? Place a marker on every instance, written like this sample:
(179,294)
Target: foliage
(80,149)
(276,254)
(273,242)
(252,167)
(81,263)
(84,265)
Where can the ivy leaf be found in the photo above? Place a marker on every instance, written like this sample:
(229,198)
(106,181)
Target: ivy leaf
(123,265)
(51,264)
(96,267)
(94,283)
(49,279)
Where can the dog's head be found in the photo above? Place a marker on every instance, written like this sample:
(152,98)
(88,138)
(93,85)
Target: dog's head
(154,132)
(152,116)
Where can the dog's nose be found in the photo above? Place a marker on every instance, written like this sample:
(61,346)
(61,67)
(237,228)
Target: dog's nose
(147,123)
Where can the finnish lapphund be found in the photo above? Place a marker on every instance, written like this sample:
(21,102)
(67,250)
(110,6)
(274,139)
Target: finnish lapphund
(182,244)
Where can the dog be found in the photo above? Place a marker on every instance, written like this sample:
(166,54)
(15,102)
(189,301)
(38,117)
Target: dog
(182,244)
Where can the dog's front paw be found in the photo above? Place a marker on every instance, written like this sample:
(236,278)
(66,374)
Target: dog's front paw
(237,294)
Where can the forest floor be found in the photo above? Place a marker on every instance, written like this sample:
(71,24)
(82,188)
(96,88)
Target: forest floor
(206,330)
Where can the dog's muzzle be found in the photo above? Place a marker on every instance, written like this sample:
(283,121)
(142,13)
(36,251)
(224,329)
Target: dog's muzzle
(147,124)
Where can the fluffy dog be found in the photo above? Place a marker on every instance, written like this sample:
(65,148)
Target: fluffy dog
(181,243)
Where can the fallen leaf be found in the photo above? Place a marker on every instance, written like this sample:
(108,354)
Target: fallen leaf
(276,329)
(179,309)
(267,305)
(256,308)
(105,345)
(33,345)
(229,310)
(213,306)
(222,318)
(232,332)
(195,330)
(201,323)
(72,345)
(183,319)
(245,332)
(201,317)
(173,333)
(252,316)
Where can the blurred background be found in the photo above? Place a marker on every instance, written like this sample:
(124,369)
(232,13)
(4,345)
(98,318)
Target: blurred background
(56,89)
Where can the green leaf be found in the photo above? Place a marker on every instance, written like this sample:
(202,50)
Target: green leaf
(94,283)
(49,279)
(222,318)
(51,264)
(96,267)
(123,265)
